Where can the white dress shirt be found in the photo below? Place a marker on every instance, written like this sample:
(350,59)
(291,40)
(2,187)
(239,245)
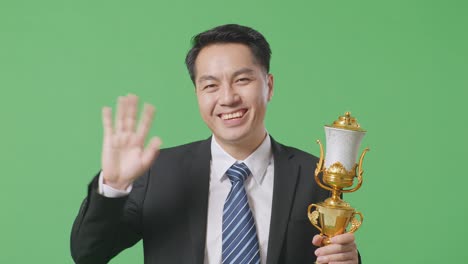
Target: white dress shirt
(259,188)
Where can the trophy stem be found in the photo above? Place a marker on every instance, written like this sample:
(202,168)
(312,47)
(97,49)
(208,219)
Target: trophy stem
(335,199)
(336,194)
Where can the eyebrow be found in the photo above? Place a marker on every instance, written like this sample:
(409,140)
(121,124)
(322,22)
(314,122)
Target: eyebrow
(207,78)
(243,71)
(236,73)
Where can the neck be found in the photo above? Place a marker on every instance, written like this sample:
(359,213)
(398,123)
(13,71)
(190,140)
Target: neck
(241,150)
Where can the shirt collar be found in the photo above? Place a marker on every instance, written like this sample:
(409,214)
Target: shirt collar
(257,162)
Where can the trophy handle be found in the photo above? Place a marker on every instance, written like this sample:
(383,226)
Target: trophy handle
(313,216)
(319,169)
(359,173)
(355,224)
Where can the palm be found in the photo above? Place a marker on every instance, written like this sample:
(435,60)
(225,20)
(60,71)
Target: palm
(124,157)
(125,161)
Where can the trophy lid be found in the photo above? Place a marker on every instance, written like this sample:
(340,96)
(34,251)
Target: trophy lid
(347,122)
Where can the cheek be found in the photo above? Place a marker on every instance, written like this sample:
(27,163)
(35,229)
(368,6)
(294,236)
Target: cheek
(263,98)
(261,104)
(205,105)
(262,93)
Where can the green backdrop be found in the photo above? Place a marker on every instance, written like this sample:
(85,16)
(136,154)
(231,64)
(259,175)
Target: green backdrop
(400,66)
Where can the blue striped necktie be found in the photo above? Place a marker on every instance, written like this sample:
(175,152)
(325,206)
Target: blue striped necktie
(240,242)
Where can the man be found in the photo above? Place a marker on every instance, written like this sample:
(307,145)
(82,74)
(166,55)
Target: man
(237,197)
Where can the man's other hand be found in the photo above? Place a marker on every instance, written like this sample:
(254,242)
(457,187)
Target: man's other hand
(124,157)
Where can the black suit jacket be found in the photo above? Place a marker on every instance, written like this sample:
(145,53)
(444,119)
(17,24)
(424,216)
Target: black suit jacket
(167,208)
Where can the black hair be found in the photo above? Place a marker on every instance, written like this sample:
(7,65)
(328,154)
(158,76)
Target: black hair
(230,33)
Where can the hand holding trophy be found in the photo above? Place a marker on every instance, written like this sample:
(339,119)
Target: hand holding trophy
(333,216)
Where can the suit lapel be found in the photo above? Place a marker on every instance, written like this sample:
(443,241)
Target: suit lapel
(199,177)
(286,174)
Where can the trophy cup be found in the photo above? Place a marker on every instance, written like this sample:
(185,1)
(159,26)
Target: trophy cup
(333,216)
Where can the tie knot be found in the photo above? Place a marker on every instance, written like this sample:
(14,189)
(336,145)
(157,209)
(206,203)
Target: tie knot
(238,172)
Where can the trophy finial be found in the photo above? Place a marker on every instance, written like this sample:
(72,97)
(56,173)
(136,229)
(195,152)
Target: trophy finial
(347,122)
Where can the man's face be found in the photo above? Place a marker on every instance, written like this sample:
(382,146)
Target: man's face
(233,91)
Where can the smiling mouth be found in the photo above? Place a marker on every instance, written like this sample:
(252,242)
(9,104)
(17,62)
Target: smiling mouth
(234,115)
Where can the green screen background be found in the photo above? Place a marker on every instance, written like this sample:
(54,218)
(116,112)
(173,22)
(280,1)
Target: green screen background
(399,66)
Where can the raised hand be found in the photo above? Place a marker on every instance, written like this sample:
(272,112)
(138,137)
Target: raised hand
(124,157)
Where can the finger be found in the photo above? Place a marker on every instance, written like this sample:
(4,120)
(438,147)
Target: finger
(345,257)
(125,112)
(120,116)
(335,249)
(107,121)
(151,151)
(131,115)
(317,240)
(145,122)
(346,238)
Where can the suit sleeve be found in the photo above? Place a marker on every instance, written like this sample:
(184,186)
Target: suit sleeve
(106,226)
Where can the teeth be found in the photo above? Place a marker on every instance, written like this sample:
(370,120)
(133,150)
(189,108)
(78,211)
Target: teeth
(231,116)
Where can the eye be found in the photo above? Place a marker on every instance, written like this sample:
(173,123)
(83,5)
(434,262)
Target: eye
(209,86)
(244,80)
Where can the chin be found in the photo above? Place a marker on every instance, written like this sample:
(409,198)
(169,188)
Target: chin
(234,138)
(231,140)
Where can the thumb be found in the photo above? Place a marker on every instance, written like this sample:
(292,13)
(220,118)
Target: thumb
(317,240)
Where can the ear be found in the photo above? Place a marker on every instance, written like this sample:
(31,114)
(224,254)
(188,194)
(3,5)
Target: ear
(270,85)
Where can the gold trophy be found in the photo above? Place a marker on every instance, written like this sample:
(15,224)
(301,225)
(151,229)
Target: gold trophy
(333,216)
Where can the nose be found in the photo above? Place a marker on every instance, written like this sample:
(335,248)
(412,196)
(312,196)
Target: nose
(228,96)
